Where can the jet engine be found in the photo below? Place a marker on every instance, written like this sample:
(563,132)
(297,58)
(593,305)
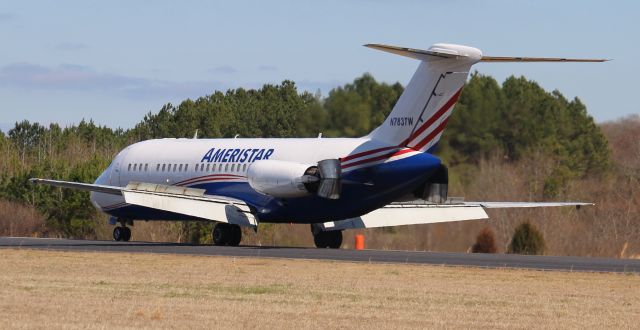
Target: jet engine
(285,179)
(436,188)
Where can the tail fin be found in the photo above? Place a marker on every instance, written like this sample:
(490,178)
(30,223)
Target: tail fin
(420,115)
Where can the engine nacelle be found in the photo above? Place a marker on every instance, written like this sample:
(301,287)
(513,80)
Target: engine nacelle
(279,178)
(435,190)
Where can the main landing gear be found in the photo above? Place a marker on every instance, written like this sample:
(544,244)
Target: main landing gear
(326,239)
(122,232)
(227,234)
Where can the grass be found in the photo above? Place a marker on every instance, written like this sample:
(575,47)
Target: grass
(109,290)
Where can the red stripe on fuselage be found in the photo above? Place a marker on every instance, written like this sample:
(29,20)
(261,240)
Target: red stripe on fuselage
(207,176)
(381,157)
(366,153)
(204,180)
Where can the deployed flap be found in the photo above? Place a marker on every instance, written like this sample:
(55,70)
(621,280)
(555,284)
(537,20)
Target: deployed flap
(409,214)
(216,209)
(412,213)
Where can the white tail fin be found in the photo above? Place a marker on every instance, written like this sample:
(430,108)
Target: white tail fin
(420,115)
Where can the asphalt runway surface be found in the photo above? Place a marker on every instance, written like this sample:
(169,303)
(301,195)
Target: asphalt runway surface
(372,256)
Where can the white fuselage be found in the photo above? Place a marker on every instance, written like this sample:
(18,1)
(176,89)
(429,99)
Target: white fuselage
(220,165)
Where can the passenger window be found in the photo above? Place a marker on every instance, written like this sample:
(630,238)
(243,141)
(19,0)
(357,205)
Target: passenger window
(175,166)
(146,167)
(135,167)
(180,168)
(244,167)
(233,167)
(186,167)
(129,168)
(158,167)
(226,167)
(219,167)
(208,166)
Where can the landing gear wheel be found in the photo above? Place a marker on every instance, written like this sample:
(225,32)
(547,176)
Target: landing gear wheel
(226,234)
(122,234)
(221,234)
(118,233)
(328,239)
(235,235)
(127,234)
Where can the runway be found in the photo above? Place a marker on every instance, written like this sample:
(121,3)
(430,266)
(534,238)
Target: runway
(373,256)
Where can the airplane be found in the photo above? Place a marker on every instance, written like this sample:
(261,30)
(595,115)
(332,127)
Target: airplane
(389,177)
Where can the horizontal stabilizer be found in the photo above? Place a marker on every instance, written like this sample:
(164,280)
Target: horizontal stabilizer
(417,54)
(444,51)
(538,59)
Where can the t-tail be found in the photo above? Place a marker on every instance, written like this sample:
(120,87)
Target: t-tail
(420,116)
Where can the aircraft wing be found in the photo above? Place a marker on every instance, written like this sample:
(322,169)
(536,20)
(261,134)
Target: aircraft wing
(399,214)
(187,201)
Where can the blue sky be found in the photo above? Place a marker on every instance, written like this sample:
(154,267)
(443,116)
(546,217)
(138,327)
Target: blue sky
(114,61)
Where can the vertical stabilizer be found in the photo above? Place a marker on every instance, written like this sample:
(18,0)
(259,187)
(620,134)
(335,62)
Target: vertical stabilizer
(420,115)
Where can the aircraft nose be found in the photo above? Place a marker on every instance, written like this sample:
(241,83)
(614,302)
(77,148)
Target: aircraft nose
(105,177)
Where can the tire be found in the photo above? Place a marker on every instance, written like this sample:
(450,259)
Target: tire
(118,235)
(320,241)
(126,234)
(335,240)
(328,239)
(235,235)
(221,234)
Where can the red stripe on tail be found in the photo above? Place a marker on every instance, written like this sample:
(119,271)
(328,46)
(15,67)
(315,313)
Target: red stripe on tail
(435,117)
